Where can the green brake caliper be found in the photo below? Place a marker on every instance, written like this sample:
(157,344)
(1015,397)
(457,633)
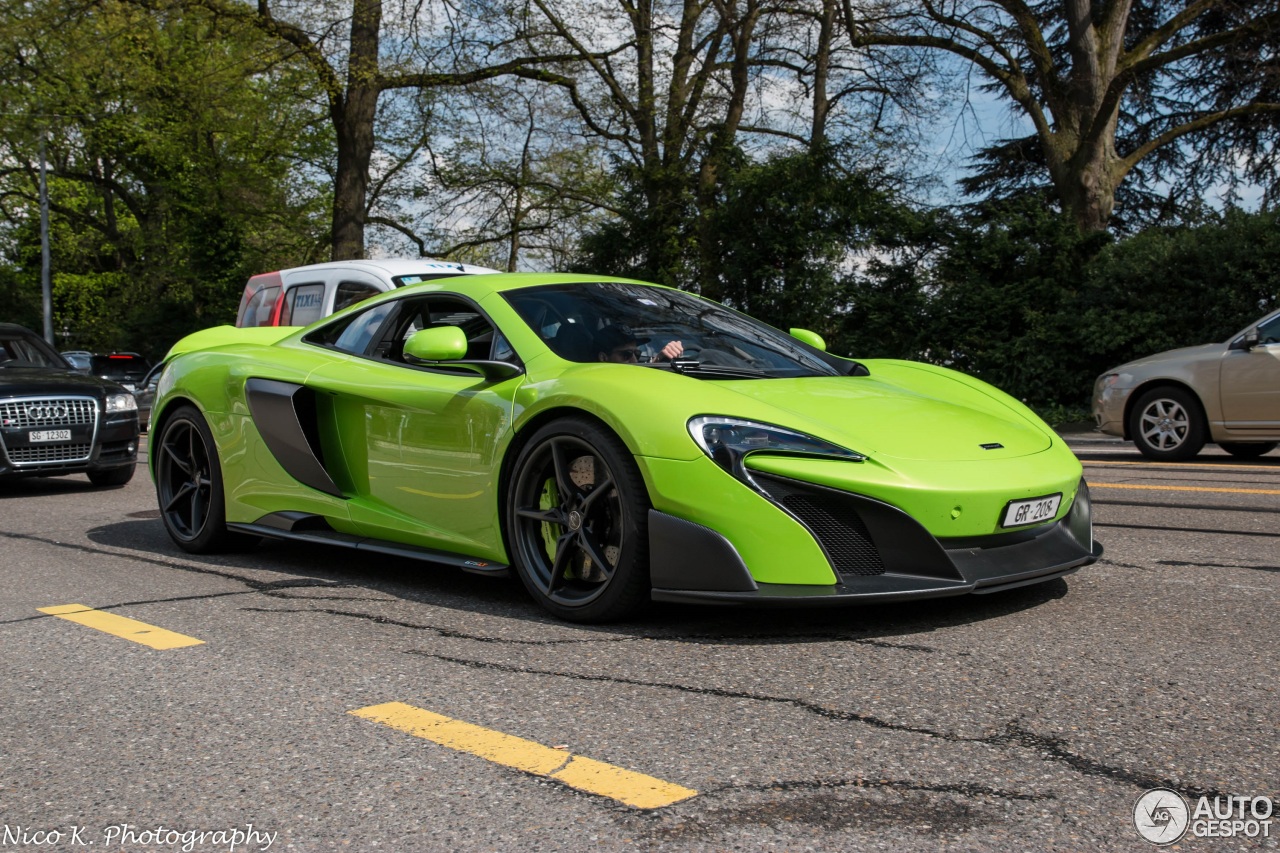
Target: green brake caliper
(549,498)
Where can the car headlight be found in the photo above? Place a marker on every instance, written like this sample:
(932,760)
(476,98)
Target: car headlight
(121,403)
(729,440)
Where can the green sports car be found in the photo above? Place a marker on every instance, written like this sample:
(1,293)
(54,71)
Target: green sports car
(613,442)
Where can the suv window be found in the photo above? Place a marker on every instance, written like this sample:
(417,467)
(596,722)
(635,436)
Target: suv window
(261,306)
(303,305)
(351,292)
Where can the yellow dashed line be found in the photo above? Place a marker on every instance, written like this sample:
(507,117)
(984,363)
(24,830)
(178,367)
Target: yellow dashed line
(1188,465)
(1185,489)
(121,626)
(585,774)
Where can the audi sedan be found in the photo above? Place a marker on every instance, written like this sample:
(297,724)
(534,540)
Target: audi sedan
(55,421)
(1173,403)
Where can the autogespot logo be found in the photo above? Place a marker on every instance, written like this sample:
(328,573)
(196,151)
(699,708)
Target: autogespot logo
(1161,816)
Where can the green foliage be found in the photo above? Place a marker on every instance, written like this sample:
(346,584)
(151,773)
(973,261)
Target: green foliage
(1002,298)
(178,147)
(650,240)
(784,233)
(1167,288)
(1026,302)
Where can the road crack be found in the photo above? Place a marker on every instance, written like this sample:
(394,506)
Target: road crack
(1047,748)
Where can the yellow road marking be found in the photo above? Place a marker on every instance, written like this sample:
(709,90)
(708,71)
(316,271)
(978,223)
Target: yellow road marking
(121,626)
(585,774)
(1189,465)
(1185,489)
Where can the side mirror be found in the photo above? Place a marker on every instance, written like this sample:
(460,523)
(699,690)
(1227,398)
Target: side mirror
(447,346)
(1248,342)
(442,343)
(813,339)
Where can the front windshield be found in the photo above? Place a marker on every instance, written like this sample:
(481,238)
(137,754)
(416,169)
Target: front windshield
(580,322)
(18,350)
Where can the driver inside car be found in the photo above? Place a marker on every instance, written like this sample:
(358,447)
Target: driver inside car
(620,345)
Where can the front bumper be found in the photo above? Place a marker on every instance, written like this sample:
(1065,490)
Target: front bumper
(1110,398)
(98,443)
(877,552)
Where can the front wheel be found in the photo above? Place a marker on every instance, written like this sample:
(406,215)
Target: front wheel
(189,486)
(1247,449)
(577,522)
(1167,424)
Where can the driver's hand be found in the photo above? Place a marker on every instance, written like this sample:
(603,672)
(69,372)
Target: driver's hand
(672,350)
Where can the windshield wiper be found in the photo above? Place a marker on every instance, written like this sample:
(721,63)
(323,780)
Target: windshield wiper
(694,366)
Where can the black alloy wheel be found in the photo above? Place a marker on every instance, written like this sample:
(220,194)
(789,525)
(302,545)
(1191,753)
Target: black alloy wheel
(189,485)
(577,522)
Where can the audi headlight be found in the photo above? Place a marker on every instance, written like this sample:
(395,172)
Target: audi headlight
(729,440)
(121,403)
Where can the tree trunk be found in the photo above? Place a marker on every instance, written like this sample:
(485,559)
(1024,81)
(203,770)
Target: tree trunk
(1087,188)
(353,119)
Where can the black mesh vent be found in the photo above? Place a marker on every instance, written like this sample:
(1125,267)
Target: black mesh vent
(834,521)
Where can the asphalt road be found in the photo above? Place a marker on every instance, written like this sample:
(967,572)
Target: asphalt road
(1029,720)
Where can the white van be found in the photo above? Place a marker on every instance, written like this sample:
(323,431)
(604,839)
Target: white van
(302,295)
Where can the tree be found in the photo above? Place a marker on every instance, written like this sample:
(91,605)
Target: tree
(355,74)
(511,181)
(178,151)
(666,85)
(1112,87)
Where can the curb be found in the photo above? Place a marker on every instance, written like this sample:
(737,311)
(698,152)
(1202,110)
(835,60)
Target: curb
(1091,438)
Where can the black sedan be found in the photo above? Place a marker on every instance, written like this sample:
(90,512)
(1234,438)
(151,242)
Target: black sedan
(54,421)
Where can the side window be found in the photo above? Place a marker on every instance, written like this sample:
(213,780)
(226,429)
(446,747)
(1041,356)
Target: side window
(261,306)
(304,304)
(355,333)
(1269,332)
(484,342)
(351,292)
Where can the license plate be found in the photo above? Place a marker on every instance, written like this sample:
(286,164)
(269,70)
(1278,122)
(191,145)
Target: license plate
(1018,513)
(49,435)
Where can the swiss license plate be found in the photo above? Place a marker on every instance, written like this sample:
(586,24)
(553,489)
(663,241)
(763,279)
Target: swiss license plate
(1031,511)
(49,435)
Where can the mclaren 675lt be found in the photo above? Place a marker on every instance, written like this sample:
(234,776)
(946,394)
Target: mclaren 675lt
(612,442)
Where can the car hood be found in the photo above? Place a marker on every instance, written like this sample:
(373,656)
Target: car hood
(35,381)
(930,416)
(1182,354)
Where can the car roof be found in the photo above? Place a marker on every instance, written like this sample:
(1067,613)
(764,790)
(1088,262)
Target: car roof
(501,282)
(395,266)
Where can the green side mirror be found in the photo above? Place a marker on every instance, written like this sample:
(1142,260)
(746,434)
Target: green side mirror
(442,343)
(813,339)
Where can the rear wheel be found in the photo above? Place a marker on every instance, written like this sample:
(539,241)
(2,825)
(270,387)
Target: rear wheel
(189,486)
(1167,424)
(577,522)
(1247,449)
